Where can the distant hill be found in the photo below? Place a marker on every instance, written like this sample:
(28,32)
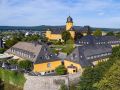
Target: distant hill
(44,27)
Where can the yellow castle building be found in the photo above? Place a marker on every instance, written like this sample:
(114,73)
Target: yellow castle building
(58,36)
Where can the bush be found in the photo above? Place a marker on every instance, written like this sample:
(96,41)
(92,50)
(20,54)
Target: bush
(61,70)
(13,62)
(98,32)
(25,64)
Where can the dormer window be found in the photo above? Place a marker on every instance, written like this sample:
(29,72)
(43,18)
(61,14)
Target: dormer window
(47,57)
(42,57)
(74,55)
(80,56)
(91,57)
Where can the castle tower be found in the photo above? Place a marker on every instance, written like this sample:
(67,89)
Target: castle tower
(69,23)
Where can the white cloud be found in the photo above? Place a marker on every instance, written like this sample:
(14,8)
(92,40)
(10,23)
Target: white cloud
(54,12)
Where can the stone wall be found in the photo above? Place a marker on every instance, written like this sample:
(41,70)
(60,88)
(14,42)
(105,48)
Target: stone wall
(49,82)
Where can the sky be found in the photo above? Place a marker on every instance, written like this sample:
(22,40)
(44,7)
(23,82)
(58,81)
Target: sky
(95,13)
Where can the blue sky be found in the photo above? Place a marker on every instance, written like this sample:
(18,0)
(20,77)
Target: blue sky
(96,13)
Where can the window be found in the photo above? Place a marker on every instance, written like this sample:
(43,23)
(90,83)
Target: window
(94,56)
(52,71)
(74,56)
(88,57)
(91,57)
(74,70)
(48,72)
(80,56)
(48,65)
(47,57)
(41,57)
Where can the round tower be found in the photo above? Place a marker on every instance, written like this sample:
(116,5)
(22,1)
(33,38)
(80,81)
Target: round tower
(69,23)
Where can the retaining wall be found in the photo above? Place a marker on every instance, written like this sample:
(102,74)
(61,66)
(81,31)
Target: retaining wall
(49,82)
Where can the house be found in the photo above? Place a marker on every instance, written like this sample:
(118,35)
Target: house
(87,55)
(44,61)
(101,40)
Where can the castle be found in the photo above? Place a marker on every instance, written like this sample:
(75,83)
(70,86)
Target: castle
(57,34)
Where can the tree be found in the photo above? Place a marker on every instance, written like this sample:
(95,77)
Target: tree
(66,36)
(10,42)
(78,35)
(111,81)
(70,41)
(13,62)
(25,64)
(110,34)
(118,34)
(2,50)
(61,70)
(31,38)
(100,73)
(1,85)
(69,46)
(98,32)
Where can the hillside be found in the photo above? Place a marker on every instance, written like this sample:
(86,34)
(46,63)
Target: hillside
(44,27)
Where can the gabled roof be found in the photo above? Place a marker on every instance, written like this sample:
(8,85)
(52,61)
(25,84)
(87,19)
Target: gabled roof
(40,53)
(80,54)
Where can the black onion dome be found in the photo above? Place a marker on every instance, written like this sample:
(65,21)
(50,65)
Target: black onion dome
(69,19)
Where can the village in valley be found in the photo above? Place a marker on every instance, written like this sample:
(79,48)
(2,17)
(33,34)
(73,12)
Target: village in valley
(29,58)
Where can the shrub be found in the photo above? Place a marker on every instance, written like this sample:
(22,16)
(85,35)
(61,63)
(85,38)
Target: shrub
(61,70)
(25,64)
